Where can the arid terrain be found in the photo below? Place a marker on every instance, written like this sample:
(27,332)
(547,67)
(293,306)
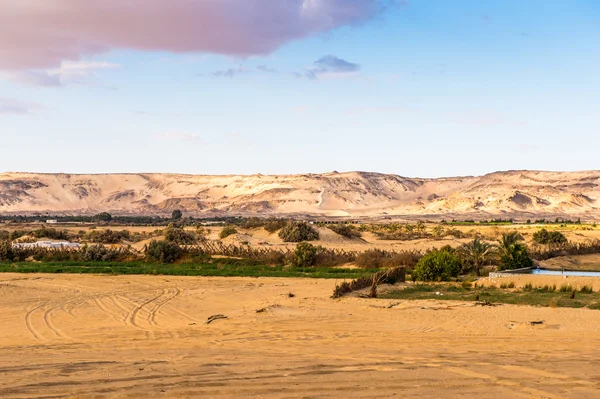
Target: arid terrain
(520,194)
(143,336)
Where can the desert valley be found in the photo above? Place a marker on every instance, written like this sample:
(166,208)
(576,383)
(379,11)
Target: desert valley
(515,194)
(313,286)
(299,199)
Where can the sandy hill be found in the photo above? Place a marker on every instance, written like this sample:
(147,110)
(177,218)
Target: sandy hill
(517,194)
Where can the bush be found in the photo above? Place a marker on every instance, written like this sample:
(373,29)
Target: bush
(546,237)
(163,251)
(391,276)
(437,266)
(97,253)
(305,255)
(345,230)
(298,232)
(107,236)
(376,259)
(180,236)
(227,231)
(6,251)
(515,256)
(273,225)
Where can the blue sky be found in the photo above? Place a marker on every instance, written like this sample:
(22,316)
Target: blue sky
(420,88)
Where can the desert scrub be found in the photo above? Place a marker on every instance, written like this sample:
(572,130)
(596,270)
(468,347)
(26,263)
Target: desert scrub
(179,236)
(298,232)
(345,230)
(305,255)
(437,266)
(163,251)
(227,231)
(376,259)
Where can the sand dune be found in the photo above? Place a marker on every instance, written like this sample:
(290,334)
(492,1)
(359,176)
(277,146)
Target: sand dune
(143,336)
(354,194)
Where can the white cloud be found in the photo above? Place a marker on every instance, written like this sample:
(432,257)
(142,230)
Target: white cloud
(69,72)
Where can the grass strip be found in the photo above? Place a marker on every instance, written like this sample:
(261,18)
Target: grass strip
(534,296)
(182,269)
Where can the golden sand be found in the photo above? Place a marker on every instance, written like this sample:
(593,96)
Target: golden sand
(145,337)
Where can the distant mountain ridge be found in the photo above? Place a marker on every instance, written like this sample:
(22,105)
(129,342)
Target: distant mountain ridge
(518,194)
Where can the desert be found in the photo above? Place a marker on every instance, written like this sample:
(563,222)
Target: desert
(146,336)
(299,199)
(512,194)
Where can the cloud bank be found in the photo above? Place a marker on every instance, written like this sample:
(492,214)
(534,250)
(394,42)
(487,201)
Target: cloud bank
(41,34)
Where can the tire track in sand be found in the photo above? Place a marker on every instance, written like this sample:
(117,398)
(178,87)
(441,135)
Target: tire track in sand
(132,316)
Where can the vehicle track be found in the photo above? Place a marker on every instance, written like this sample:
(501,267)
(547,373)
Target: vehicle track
(29,323)
(132,316)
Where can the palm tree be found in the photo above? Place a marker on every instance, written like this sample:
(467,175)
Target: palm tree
(513,253)
(508,240)
(478,252)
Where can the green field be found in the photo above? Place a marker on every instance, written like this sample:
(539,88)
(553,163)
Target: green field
(548,296)
(223,268)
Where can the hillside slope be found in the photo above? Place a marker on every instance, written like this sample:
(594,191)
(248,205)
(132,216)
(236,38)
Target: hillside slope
(352,194)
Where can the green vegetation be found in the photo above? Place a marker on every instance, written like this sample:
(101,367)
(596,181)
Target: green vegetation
(103,217)
(179,236)
(216,267)
(176,214)
(348,231)
(107,236)
(513,252)
(227,231)
(271,224)
(476,254)
(377,259)
(163,251)
(97,253)
(389,276)
(547,296)
(546,237)
(305,255)
(437,266)
(298,232)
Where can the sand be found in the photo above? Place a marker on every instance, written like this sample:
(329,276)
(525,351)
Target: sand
(518,194)
(142,337)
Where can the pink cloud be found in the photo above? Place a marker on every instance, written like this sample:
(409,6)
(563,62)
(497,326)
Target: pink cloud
(41,34)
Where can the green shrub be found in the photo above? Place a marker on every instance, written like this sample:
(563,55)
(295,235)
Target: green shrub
(97,253)
(437,266)
(298,232)
(586,289)
(546,237)
(305,255)
(227,231)
(107,236)
(163,251)
(515,256)
(179,236)
(6,252)
(273,225)
(345,230)
(507,285)
(565,288)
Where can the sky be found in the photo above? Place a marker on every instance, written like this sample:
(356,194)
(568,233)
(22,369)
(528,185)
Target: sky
(419,88)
